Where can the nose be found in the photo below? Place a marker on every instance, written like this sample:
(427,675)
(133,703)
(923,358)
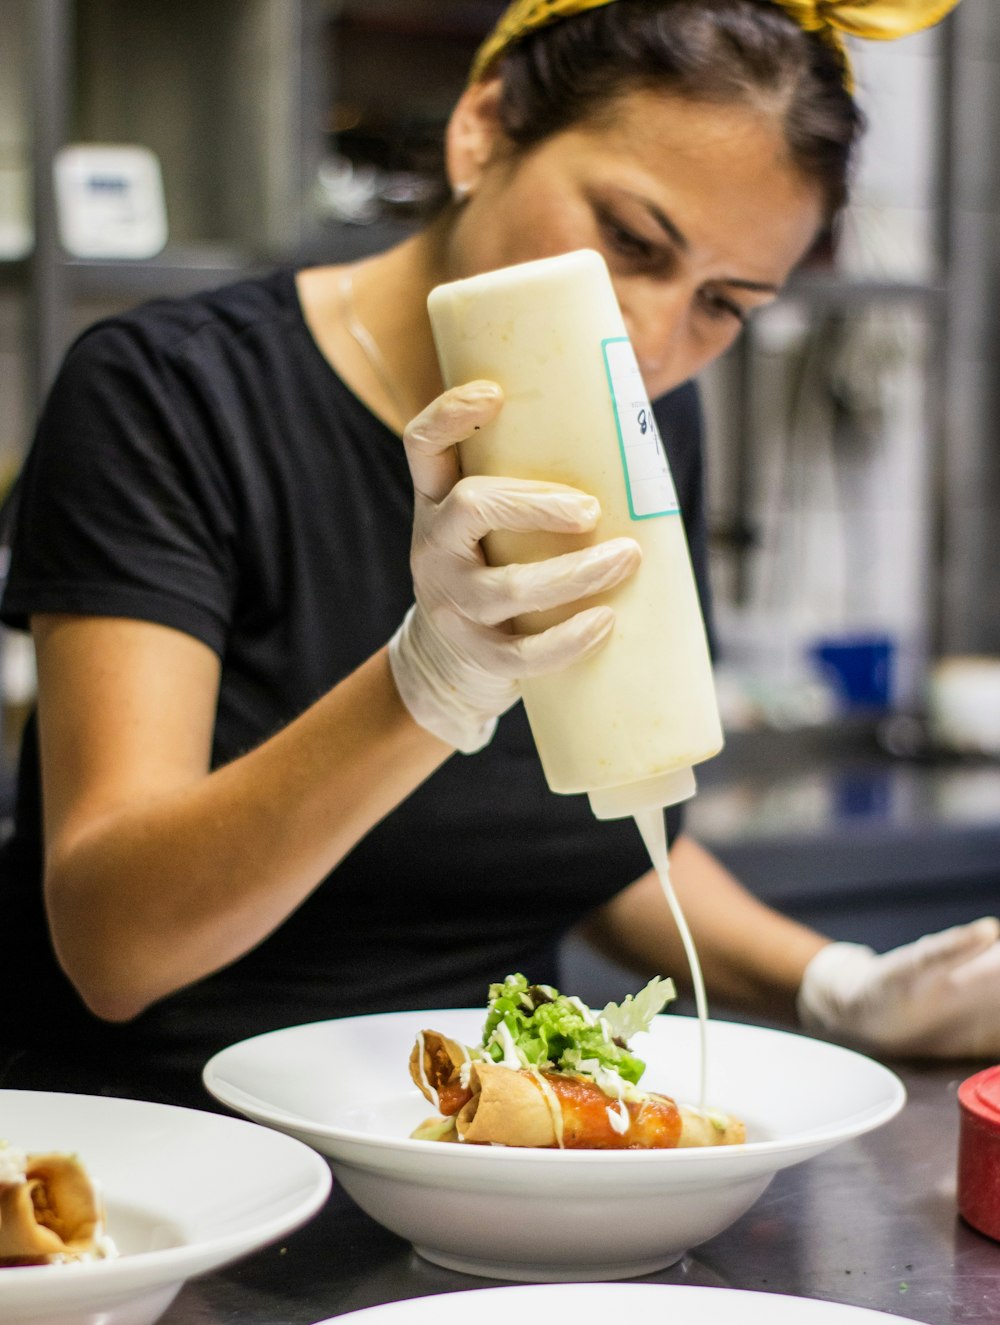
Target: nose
(655,320)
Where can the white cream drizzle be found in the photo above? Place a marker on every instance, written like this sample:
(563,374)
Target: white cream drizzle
(619,1117)
(555,1108)
(718,1119)
(615,1085)
(586,1013)
(512,1056)
(516,1061)
(432,1094)
(13,1163)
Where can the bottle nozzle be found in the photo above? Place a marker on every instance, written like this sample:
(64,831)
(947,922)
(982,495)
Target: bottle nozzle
(650,793)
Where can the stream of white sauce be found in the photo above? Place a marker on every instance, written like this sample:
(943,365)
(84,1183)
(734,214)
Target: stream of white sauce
(654,834)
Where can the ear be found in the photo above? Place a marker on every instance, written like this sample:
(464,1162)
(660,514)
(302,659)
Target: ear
(474,134)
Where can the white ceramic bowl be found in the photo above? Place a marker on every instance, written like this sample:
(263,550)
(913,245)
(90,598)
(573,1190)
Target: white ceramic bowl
(185,1191)
(344,1087)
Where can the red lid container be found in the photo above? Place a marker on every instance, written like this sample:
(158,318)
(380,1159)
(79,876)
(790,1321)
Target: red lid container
(979,1152)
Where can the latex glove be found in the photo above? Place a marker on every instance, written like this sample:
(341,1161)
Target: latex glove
(455,661)
(938,997)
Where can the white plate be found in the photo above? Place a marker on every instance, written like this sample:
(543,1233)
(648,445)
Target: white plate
(185,1191)
(543,1304)
(344,1087)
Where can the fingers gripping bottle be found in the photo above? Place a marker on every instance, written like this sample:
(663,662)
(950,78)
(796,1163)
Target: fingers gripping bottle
(627,724)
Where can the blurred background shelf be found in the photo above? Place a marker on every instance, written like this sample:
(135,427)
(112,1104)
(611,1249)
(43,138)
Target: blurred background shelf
(821,290)
(830,826)
(243,102)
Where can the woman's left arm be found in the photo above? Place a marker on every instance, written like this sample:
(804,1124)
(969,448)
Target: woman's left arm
(937,997)
(752,956)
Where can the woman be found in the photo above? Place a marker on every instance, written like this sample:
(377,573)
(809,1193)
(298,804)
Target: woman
(250,814)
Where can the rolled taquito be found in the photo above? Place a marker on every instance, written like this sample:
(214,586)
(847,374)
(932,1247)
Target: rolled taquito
(491,1104)
(49,1211)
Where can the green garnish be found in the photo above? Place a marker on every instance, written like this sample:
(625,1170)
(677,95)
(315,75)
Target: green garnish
(550,1031)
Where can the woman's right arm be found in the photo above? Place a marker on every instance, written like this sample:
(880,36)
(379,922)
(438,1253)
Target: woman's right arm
(159,871)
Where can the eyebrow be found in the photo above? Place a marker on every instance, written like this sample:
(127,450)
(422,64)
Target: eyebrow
(677,236)
(759,287)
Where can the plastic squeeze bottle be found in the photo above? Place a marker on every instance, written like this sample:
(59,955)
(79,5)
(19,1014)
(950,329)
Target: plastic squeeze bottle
(628,724)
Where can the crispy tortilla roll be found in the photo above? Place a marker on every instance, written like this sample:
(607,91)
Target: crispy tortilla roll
(507,1108)
(436,1067)
(486,1103)
(522,1108)
(710,1128)
(53,1213)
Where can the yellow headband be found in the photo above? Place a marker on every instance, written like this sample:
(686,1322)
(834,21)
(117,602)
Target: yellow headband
(880,20)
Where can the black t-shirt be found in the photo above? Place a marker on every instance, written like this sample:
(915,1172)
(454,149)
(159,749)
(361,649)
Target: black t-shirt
(200,465)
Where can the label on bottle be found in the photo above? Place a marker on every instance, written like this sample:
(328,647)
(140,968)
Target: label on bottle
(648,480)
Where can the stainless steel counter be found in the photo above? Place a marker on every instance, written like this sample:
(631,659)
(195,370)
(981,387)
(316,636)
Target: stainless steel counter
(872,1223)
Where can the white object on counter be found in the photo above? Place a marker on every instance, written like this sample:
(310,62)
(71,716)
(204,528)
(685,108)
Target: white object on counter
(535,1215)
(963,700)
(185,1192)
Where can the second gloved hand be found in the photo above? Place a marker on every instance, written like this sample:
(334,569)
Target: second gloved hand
(938,997)
(455,660)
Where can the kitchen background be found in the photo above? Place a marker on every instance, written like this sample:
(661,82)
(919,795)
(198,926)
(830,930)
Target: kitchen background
(855,475)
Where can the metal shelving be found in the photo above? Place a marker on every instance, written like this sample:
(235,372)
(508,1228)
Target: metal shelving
(240,137)
(829,294)
(241,164)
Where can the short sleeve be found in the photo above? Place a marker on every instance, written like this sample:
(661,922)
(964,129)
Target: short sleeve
(123,507)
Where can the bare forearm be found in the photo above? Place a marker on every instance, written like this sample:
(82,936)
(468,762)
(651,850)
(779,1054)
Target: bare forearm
(158,894)
(752,957)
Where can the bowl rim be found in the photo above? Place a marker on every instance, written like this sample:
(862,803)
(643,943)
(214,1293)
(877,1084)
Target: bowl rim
(253,1106)
(175,1264)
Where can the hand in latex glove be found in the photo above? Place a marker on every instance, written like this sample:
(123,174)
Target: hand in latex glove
(455,662)
(937,998)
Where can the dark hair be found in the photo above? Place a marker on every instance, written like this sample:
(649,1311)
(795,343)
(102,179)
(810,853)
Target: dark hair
(723,52)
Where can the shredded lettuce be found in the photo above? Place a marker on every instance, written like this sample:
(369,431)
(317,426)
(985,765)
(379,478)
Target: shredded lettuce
(553,1032)
(637,1011)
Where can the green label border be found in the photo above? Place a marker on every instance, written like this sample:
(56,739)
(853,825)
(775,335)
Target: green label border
(633,515)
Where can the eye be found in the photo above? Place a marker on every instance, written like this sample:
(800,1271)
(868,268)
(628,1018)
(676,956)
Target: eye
(625,242)
(718,305)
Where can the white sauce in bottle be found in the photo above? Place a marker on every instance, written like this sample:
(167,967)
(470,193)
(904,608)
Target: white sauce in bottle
(626,724)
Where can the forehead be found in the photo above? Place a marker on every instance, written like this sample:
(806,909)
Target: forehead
(723,173)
